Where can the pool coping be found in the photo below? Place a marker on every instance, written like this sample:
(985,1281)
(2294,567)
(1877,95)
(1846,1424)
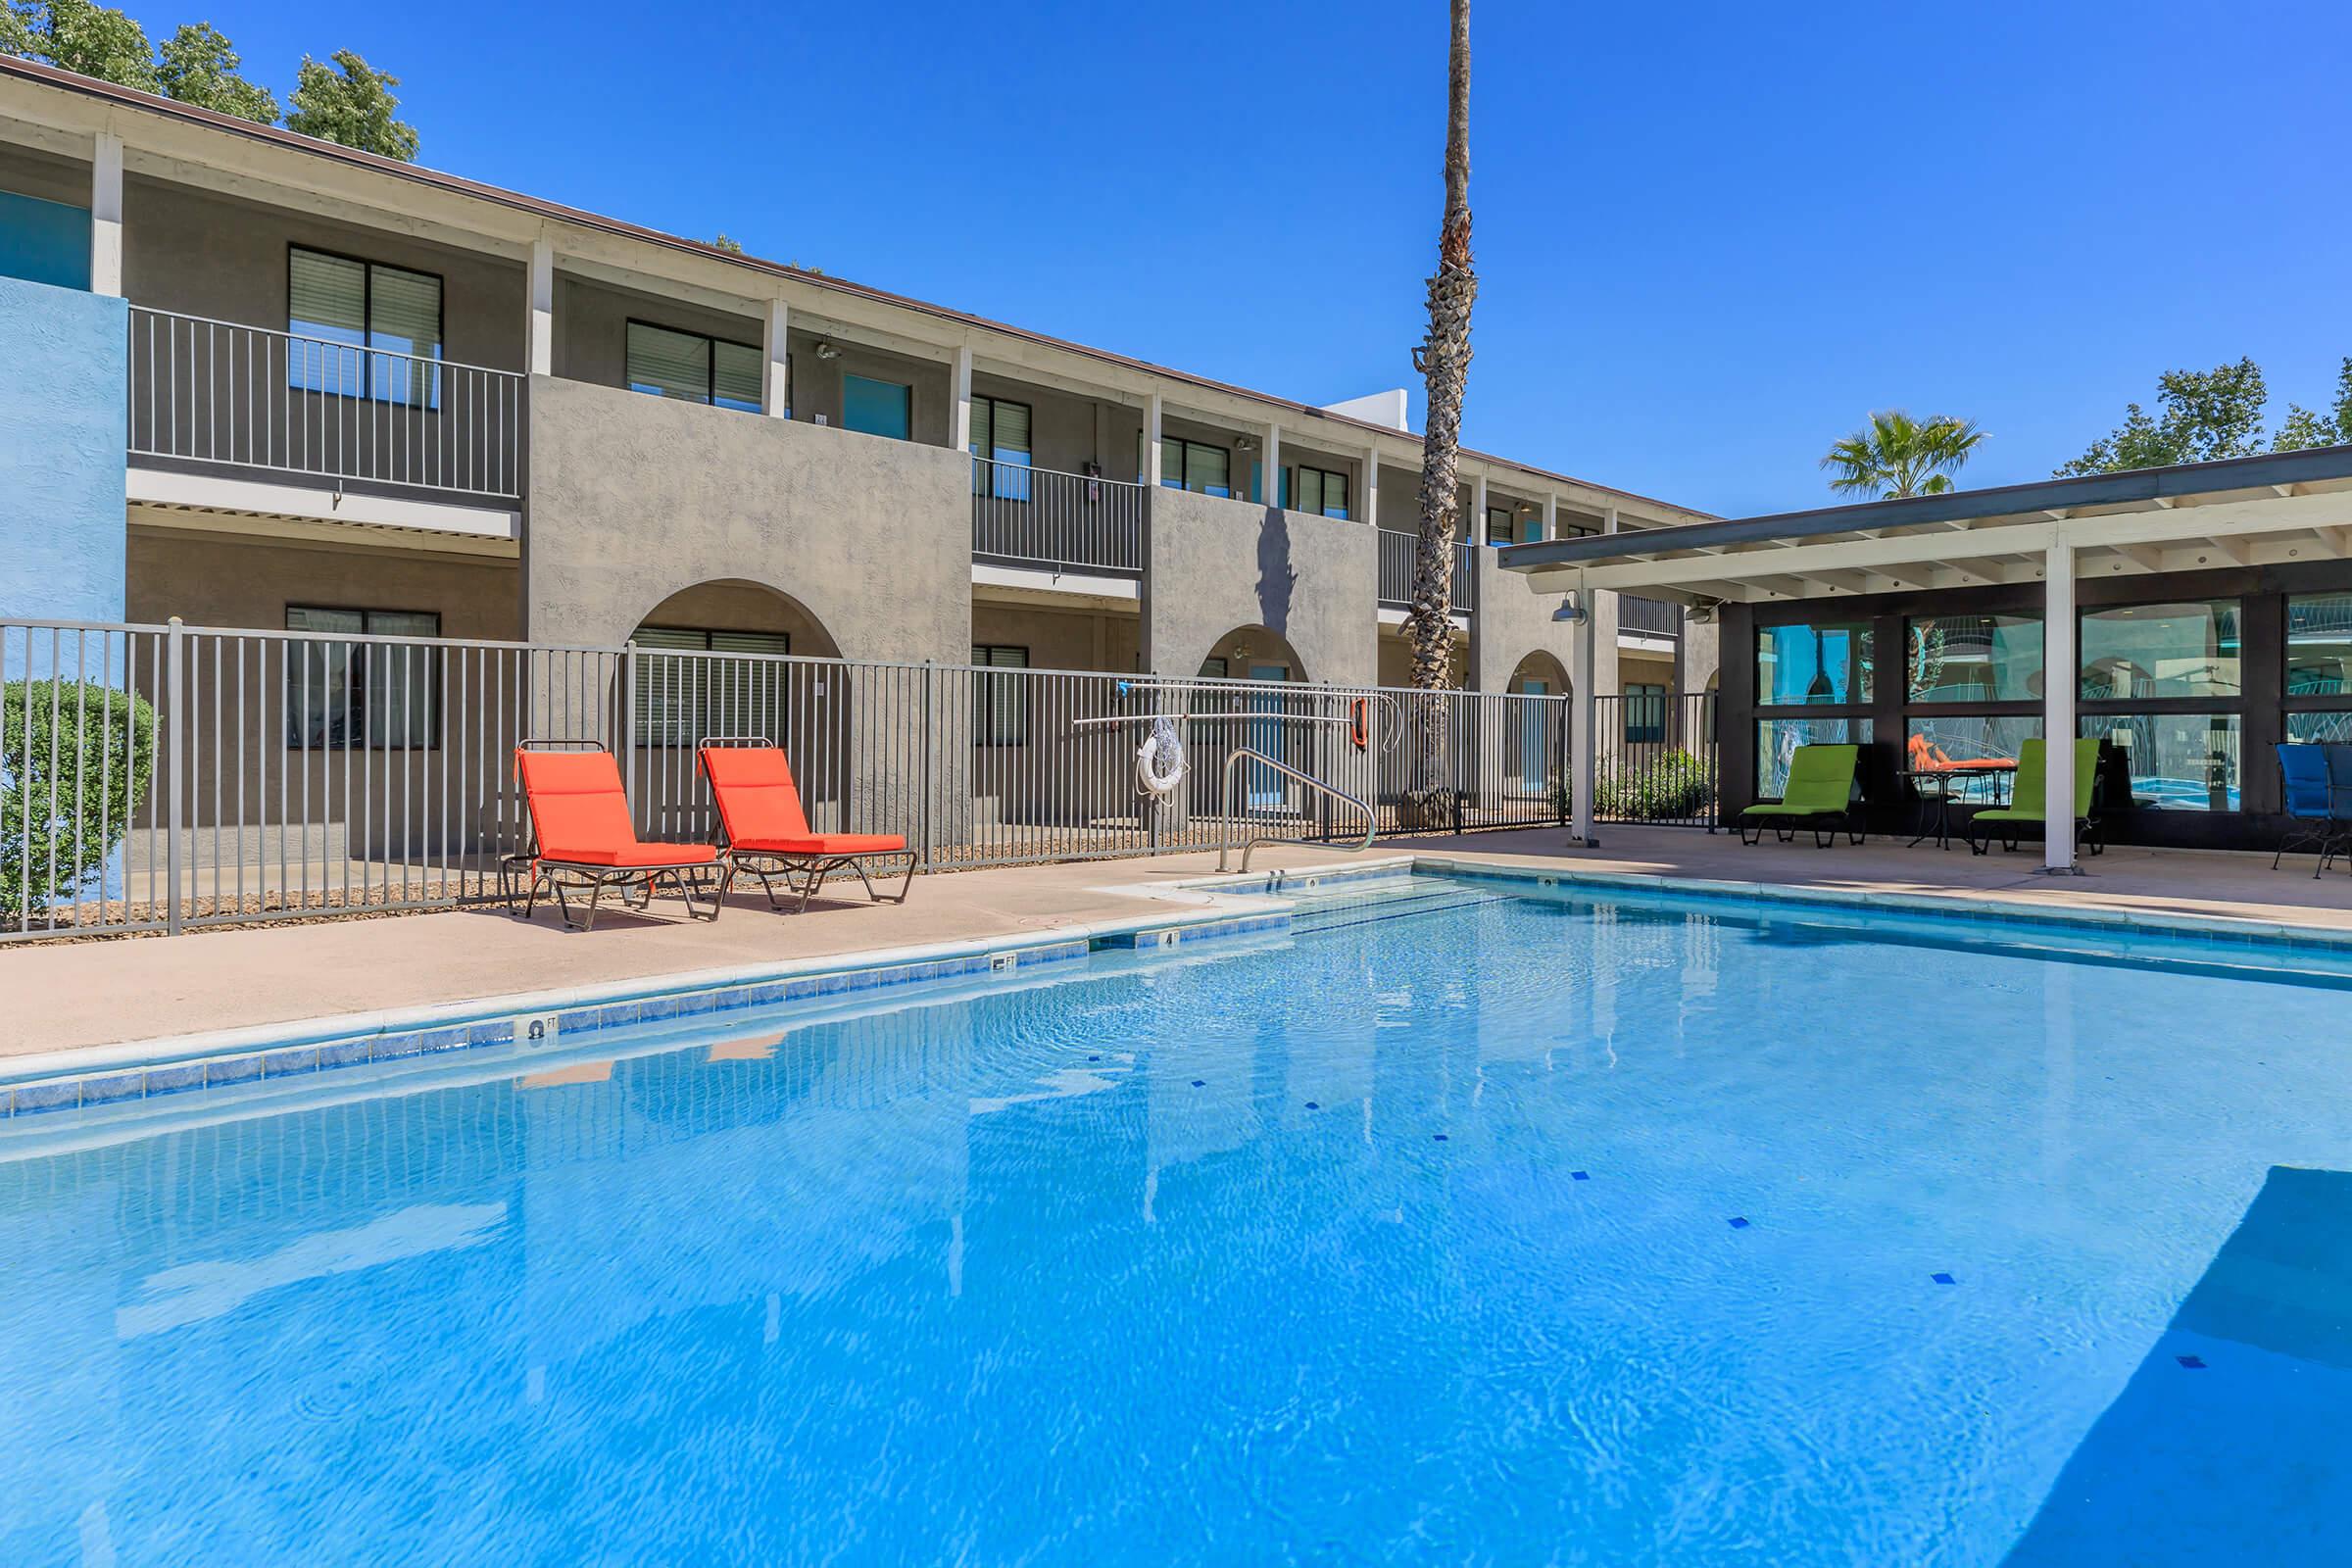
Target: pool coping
(1220,904)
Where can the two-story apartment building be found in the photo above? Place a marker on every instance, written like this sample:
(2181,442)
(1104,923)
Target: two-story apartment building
(259,380)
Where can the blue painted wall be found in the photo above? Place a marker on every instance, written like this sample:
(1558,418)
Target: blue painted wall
(61,436)
(44,242)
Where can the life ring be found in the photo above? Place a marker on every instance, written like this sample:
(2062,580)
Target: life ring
(1360,727)
(1159,762)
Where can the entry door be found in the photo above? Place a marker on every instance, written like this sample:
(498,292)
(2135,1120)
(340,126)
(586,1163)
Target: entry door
(1533,727)
(1266,789)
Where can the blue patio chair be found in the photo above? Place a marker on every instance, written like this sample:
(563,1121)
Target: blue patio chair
(2309,774)
(2339,798)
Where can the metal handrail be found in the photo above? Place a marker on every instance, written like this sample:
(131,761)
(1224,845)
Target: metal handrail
(1242,753)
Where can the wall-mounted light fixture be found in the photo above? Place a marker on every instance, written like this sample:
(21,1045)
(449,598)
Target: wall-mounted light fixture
(826,351)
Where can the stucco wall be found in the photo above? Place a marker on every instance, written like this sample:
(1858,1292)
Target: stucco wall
(1216,564)
(633,497)
(210,580)
(61,452)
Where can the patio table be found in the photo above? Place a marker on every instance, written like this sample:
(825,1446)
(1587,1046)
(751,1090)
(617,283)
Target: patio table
(1935,787)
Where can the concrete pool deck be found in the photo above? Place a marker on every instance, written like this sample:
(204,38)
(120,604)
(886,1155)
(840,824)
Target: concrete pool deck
(68,995)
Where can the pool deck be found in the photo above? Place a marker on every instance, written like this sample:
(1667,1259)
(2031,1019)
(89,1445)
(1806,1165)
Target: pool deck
(67,996)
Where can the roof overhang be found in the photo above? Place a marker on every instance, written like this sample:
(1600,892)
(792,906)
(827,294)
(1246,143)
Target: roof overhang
(2289,507)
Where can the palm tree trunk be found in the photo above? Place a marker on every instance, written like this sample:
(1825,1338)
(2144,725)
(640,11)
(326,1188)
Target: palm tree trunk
(1444,359)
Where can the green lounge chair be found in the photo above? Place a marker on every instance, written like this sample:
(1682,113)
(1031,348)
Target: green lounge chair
(1818,795)
(2028,802)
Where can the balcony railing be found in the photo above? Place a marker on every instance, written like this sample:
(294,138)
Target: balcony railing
(1396,550)
(1028,516)
(1649,617)
(245,397)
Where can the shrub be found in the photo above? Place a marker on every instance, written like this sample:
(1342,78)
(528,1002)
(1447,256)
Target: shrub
(1671,786)
(74,757)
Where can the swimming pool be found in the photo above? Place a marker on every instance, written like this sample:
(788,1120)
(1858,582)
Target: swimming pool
(1455,1225)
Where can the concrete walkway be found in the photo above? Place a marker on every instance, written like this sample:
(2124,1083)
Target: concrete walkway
(63,995)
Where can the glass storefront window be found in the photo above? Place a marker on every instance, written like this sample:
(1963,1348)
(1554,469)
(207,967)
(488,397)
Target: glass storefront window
(1813,666)
(2320,729)
(1957,740)
(1776,741)
(1974,659)
(2178,761)
(2188,649)
(2319,645)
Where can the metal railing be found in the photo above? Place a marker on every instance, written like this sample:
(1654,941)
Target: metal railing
(1396,552)
(1305,781)
(1649,617)
(1655,760)
(1062,521)
(222,394)
(170,777)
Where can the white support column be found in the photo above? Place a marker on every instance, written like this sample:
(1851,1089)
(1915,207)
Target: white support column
(106,216)
(541,328)
(1552,514)
(1609,522)
(1584,722)
(1151,424)
(2058,679)
(1371,507)
(959,399)
(1271,468)
(775,364)
(1478,509)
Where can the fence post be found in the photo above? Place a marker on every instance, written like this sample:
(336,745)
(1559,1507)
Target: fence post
(624,733)
(930,683)
(173,655)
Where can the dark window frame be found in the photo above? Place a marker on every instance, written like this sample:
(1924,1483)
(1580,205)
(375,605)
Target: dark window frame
(988,727)
(368,351)
(356,677)
(710,342)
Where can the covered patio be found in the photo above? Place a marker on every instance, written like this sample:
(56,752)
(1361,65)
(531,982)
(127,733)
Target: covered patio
(2204,610)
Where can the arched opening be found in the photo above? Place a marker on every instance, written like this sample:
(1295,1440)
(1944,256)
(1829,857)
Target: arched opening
(1534,732)
(1252,653)
(732,660)
(1265,659)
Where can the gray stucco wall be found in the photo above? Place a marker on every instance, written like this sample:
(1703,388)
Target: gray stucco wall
(209,579)
(633,497)
(61,452)
(1216,564)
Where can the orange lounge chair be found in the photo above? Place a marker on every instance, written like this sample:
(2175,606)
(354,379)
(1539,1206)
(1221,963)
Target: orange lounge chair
(580,836)
(766,831)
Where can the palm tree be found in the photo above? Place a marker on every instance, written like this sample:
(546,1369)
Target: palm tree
(1444,360)
(1897,455)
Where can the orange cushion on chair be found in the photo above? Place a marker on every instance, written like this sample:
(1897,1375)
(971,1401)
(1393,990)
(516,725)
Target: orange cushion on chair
(757,797)
(580,814)
(825,844)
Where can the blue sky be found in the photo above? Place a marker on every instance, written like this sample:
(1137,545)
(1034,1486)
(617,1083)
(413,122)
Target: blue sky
(1710,238)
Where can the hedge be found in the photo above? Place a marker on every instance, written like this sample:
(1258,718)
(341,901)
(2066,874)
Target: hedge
(75,757)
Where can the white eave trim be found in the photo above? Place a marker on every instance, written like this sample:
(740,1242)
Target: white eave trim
(270,498)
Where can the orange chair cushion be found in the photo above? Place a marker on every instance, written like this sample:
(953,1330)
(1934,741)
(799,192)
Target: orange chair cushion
(757,797)
(825,844)
(580,814)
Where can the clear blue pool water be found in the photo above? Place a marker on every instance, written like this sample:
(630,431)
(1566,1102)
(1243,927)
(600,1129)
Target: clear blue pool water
(1476,1228)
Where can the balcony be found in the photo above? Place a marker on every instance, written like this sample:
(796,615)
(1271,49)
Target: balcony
(1058,522)
(1397,551)
(1647,617)
(215,396)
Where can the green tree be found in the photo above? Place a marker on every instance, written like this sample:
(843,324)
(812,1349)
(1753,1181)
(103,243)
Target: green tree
(350,103)
(198,66)
(723,241)
(2207,414)
(2303,428)
(57,739)
(76,35)
(1895,456)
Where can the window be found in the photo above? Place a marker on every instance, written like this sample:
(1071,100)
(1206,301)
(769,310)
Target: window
(351,693)
(1501,523)
(1974,659)
(2175,762)
(361,329)
(1776,741)
(1936,740)
(669,363)
(1813,666)
(682,700)
(1319,491)
(1195,466)
(1644,712)
(1000,434)
(2319,645)
(999,703)
(2159,651)
(1214,668)
(877,408)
